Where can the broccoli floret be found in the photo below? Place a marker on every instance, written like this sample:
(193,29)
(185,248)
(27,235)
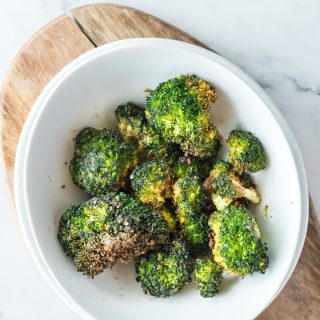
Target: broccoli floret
(153,144)
(204,167)
(135,128)
(238,247)
(91,257)
(246,151)
(208,277)
(226,185)
(164,273)
(178,110)
(130,119)
(101,161)
(168,213)
(110,227)
(185,165)
(195,230)
(188,195)
(204,144)
(68,234)
(189,198)
(151,182)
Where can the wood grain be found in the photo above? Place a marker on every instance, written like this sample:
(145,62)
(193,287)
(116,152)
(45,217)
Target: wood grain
(43,56)
(64,39)
(104,23)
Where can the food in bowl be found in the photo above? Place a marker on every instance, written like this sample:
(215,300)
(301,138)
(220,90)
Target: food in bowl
(161,196)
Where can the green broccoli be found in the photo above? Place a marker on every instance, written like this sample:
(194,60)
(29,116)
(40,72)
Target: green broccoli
(101,161)
(153,144)
(188,195)
(195,230)
(204,144)
(135,128)
(199,167)
(151,182)
(237,246)
(163,273)
(185,166)
(68,233)
(189,198)
(169,215)
(204,167)
(208,277)
(226,185)
(110,227)
(178,110)
(130,119)
(246,151)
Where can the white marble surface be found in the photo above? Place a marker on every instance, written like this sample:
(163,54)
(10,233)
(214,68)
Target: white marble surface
(276,42)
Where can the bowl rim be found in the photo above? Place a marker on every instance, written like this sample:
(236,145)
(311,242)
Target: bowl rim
(39,107)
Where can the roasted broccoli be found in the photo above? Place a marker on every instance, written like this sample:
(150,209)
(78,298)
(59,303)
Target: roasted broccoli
(246,151)
(204,144)
(195,230)
(185,165)
(154,145)
(237,245)
(188,195)
(163,218)
(164,273)
(110,227)
(208,277)
(189,198)
(204,167)
(101,161)
(226,185)
(169,215)
(178,110)
(130,119)
(151,182)
(135,128)
(68,234)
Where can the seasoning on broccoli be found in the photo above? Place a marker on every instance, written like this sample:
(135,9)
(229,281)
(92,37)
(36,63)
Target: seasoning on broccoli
(237,245)
(226,185)
(188,195)
(246,151)
(208,277)
(191,165)
(130,119)
(163,273)
(110,227)
(101,161)
(151,182)
(183,166)
(178,110)
(134,128)
(189,198)
(204,144)
(195,230)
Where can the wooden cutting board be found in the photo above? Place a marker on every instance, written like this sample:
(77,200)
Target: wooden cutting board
(67,37)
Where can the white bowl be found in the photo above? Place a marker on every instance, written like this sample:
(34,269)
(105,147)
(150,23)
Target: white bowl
(85,93)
